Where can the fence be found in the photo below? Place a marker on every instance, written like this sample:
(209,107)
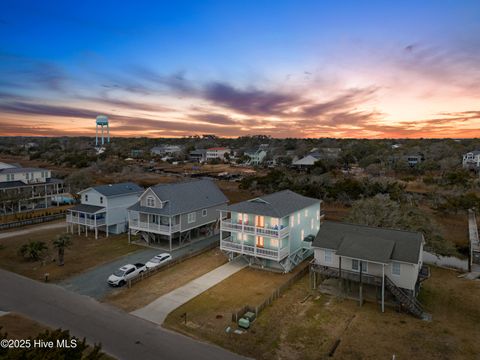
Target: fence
(152,271)
(32,221)
(275,295)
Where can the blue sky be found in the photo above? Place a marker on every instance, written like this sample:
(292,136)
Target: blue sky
(367,68)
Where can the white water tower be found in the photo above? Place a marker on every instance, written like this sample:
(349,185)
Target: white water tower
(102,120)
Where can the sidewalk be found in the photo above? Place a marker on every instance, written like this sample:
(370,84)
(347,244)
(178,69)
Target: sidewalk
(158,310)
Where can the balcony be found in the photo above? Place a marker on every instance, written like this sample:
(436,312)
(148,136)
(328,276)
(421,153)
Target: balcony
(152,227)
(85,221)
(254,230)
(241,248)
(333,272)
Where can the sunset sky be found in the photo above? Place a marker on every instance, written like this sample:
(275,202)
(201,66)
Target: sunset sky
(369,69)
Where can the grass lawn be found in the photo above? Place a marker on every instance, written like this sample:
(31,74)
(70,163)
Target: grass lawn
(85,253)
(148,290)
(20,327)
(304,324)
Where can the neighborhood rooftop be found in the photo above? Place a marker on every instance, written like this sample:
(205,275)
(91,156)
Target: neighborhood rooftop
(15,170)
(369,243)
(278,204)
(183,197)
(118,189)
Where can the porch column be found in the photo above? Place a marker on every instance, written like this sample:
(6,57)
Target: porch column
(383,287)
(46,197)
(170,231)
(96,230)
(128,226)
(360,290)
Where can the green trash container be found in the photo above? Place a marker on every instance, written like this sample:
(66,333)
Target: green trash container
(249,315)
(244,323)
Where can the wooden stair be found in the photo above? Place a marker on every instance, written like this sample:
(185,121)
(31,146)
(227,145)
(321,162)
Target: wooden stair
(411,304)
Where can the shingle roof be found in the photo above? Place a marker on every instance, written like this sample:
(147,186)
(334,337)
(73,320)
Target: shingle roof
(278,204)
(369,243)
(18,183)
(118,189)
(185,197)
(90,209)
(16,170)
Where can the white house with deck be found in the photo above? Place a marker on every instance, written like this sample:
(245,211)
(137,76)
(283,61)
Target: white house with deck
(104,208)
(387,259)
(471,160)
(174,214)
(273,231)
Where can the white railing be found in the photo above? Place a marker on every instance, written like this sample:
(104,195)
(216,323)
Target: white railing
(84,221)
(152,227)
(256,230)
(272,254)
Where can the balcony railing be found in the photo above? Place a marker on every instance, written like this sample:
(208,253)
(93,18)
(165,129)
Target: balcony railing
(85,221)
(334,272)
(279,232)
(152,227)
(241,248)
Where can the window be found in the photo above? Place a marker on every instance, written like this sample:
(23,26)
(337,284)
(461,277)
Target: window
(328,256)
(298,218)
(86,197)
(355,265)
(292,220)
(311,223)
(302,235)
(150,201)
(306,212)
(204,212)
(191,217)
(242,236)
(396,268)
(101,199)
(318,215)
(260,241)
(27,175)
(274,243)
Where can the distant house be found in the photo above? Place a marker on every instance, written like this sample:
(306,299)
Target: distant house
(176,213)
(471,160)
(317,154)
(414,160)
(166,150)
(256,156)
(26,189)
(104,208)
(217,153)
(199,155)
(136,153)
(272,231)
(382,258)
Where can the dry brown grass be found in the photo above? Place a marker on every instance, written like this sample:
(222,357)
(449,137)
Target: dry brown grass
(334,211)
(148,290)
(297,327)
(85,253)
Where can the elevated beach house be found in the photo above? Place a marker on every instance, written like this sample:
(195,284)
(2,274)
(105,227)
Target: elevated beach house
(173,214)
(104,208)
(272,231)
(385,259)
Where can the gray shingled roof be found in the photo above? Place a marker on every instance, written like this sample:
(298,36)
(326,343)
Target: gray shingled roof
(369,243)
(17,170)
(118,189)
(18,183)
(278,204)
(90,209)
(185,197)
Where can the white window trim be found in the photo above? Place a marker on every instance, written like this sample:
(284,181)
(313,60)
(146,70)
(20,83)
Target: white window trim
(150,201)
(204,212)
(365,270)
(191,217)
(328,259)
(399,268)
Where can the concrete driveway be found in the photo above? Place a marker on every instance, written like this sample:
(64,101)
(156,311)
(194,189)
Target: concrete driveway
(122,335)
(158,310)
(93,282)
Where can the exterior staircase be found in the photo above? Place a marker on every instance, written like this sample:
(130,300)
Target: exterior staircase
(411,304)
(294,259)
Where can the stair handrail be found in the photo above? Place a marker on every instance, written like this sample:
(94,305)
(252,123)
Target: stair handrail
(412,300)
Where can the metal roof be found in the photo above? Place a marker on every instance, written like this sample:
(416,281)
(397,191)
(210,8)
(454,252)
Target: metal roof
(278,204)
(184,197)
(369,243)
(16,170)
(89,209)
(117,189)
(18,183)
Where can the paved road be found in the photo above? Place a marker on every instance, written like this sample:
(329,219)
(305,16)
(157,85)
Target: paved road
(158,310)
(122,335)
(94,282)
(32,229)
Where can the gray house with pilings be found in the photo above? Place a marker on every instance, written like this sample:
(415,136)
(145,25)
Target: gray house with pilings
(103,208)
(383,259)
(169,215)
